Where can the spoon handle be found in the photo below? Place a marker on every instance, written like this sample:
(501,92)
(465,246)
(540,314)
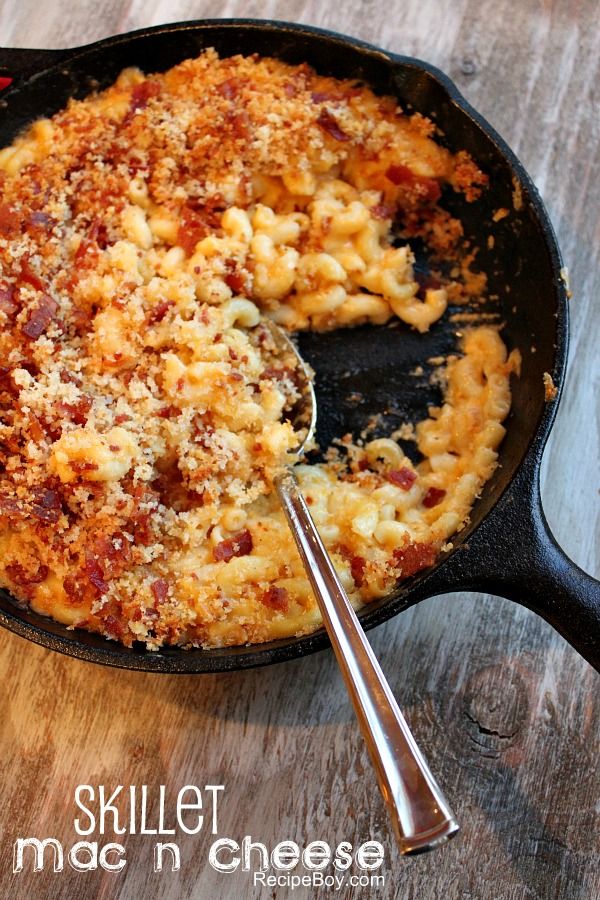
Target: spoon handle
(419,812)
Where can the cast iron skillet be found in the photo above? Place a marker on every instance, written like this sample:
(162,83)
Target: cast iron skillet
(507,549)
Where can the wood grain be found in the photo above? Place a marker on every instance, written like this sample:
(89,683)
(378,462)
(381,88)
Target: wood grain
(507,713)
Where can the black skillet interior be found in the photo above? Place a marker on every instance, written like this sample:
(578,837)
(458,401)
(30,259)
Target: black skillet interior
(363,371)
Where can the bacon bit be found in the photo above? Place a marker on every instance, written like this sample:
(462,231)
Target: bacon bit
(169,412)
(427,188)
(10,221)
(76,412)
(5,82)
(357,569)
(68,377)
(236,376)
(232,354)
(275,598)
(240,544)
(240,124)
(290,89)
(192,228)
(112,554)
(404,478)
(218,337)
(275,374)
(433,497)
(35,428)
(236,281)
(80,467)
(7,300)
(28,276)
(114,627)
(40,317)
(17,573)
(160,589)
(228,88)
(46,505)
(400,175)
(158,312)
(330,124)
(141,528)
(98,233)
(41,220)
(140,95)
(122,417)
(9,506)
(94,573)
(357,564)
(327,96)
(411,558)
(85,247)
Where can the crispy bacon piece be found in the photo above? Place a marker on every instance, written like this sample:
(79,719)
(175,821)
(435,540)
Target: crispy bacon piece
(427,188)
(357,569)
(140,95)
(28,276)
(240,544)
(46,505)
(8,302)
(327,96)
(275,598)
(9,506)
(229,88)
(80,466)
(192,228)
(114,627)
(160,589)
(77,412)
(41,220)
(433,497)
(112,554)
(403,478)
(158,312)
(94,573)
(19,575)
(10,221)
(40,317)
(168,412)
(357,564)
(330,124)
(411,558)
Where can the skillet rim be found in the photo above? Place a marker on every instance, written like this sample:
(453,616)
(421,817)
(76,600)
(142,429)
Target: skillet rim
(50,634)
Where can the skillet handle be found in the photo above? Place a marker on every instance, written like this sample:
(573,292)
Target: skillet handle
(18,64)
(514,554)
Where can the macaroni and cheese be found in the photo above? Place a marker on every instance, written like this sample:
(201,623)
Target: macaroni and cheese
(145,232)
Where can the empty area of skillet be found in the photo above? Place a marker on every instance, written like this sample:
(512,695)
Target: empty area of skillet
(364,372)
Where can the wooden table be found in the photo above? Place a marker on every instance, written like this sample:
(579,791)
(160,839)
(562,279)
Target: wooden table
(507,713)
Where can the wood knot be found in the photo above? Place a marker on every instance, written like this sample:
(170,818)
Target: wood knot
(468,66)
(495,706)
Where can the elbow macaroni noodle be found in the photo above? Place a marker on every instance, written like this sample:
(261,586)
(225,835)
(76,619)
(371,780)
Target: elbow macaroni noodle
(144,234)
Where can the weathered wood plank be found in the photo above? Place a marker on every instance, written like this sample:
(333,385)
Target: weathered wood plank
(507,713)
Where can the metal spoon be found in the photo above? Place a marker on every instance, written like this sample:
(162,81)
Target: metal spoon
(421,816)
